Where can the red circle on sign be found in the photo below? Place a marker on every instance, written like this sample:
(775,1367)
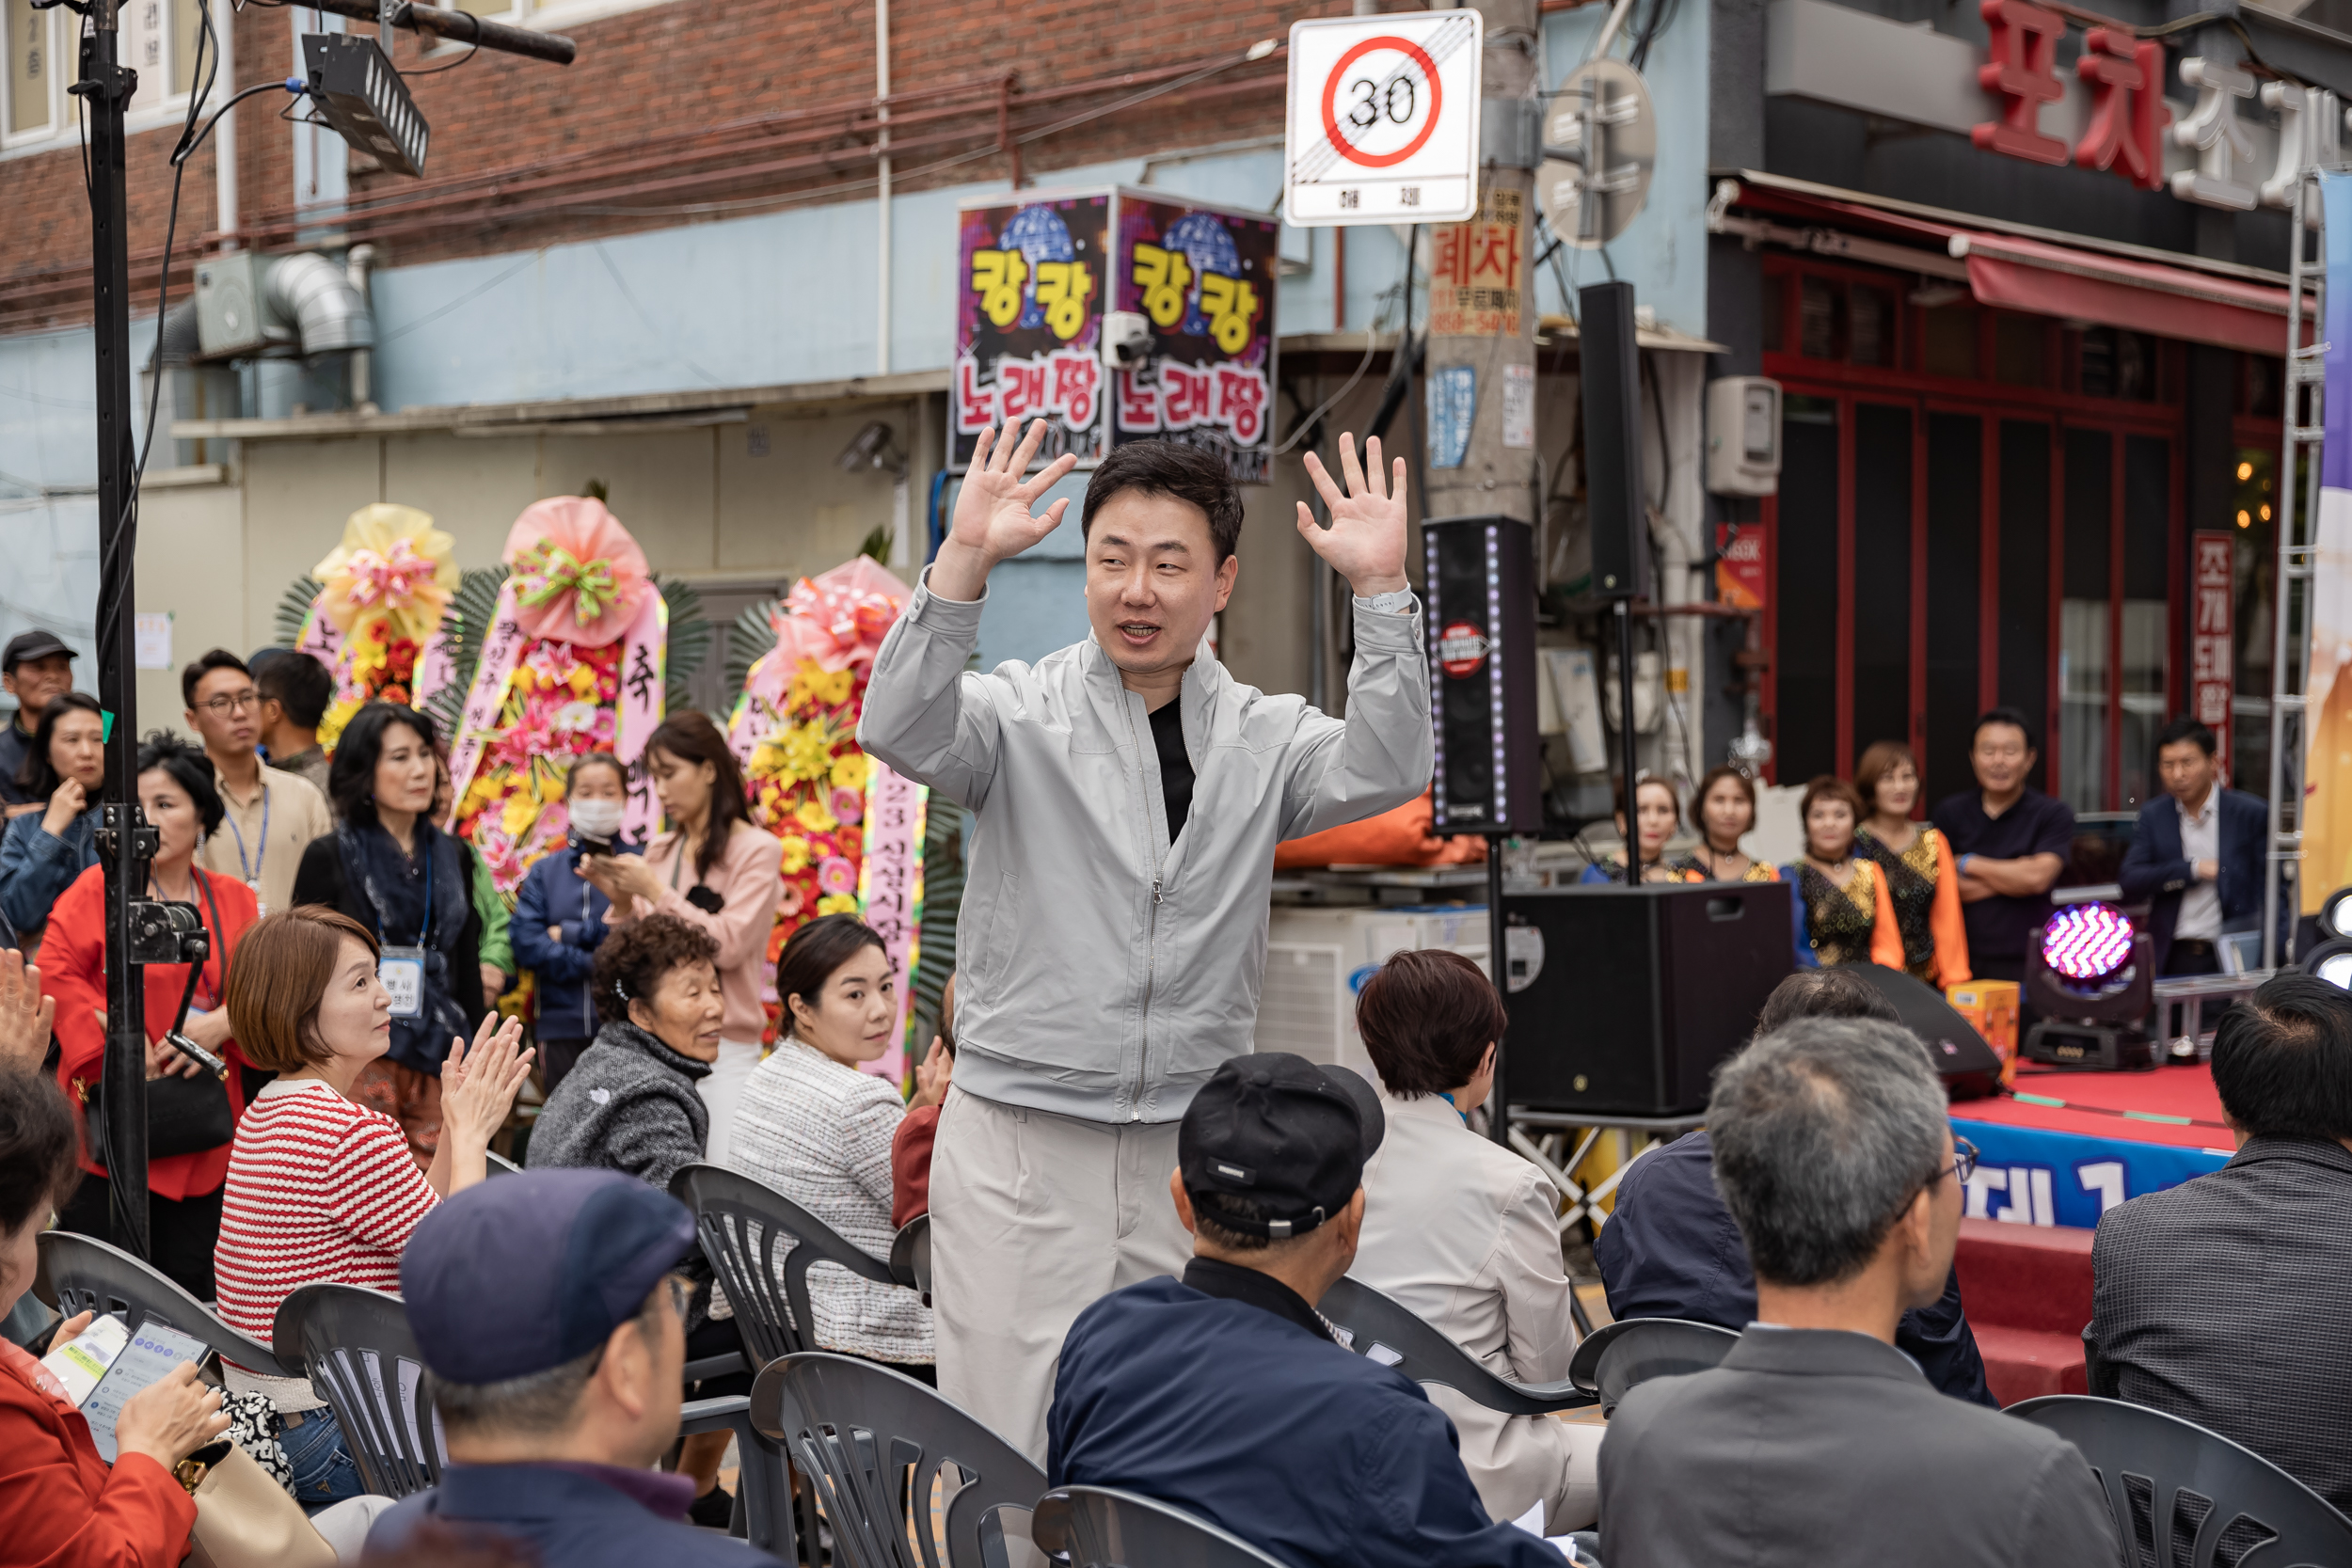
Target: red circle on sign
(1331,91)
(1461,649)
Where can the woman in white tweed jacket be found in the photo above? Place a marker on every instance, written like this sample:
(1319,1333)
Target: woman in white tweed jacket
(819,1131)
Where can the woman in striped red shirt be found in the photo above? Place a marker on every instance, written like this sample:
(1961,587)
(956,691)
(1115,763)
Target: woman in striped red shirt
(321,1189)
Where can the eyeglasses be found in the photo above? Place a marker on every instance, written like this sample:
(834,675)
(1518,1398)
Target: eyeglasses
(1963,1163)
(221,706)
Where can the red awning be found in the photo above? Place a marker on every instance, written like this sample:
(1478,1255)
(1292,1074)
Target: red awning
(2171,302)
(2012,271)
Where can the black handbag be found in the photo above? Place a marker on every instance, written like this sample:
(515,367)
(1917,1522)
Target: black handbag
(185,1116)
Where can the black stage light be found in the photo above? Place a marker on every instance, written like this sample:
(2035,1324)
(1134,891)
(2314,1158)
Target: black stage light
(2335,915)
(364,100)
(2089,976)
(2330,961)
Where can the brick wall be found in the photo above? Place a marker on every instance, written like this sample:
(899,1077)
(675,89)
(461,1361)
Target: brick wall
(646,127)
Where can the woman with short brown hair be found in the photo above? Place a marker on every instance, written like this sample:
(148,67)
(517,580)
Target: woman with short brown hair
(1843,913)
(1463,1232)
(1922,879)
(321,1190)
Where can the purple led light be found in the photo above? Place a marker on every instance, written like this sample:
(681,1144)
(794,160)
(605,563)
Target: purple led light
(2087,942)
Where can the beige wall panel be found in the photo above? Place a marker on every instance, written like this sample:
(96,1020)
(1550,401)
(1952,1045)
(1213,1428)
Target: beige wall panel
(473,488)
(296,496)
(793,511)
(660,486)
(190,542)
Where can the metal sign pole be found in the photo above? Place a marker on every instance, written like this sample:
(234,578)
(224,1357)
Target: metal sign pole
(2298,515)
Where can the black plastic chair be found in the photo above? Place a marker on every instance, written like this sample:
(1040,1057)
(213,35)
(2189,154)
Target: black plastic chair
(2186,1498)
(911,1256)
(81,1274)
(355,1346)
(1620,1355)
(1384,1331)
(1101,1527)
(872,1443)
(743,1223)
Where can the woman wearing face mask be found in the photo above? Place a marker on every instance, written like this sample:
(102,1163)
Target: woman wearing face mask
(388,867)
(1658,811)
(191,1116)
(1727,813)
(819,1131)
(560,915)
(1918,862)
(321,1189)
(1843,913)
(43,851)
(712,869)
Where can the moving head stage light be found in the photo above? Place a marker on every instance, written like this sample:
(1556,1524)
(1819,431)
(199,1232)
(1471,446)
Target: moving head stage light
(2330,957)
(2090,976)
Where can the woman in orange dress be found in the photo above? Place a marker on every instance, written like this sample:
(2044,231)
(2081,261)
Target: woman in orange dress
(1921,877)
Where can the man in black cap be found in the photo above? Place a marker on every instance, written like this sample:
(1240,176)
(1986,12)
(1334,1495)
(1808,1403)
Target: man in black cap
(35,666)
(552,1328)
(1227,1395)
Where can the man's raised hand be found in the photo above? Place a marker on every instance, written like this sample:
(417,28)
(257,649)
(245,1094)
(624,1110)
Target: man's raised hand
(1365,543)
(992,519)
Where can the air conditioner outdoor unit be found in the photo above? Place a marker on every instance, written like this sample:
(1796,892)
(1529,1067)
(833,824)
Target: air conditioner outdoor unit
(1317,960)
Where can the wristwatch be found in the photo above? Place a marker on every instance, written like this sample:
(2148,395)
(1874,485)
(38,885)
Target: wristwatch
(1398,602)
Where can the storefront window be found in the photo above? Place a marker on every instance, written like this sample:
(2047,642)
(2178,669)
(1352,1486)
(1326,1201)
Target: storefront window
(2252,574)
(1820,311)
(2020,347)
(1951,340)
(1872,335)
(30,67)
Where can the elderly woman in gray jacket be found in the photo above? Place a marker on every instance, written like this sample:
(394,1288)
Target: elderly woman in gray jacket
(1462,1231)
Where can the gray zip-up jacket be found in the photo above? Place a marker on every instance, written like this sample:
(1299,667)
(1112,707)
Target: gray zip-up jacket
(1104,973)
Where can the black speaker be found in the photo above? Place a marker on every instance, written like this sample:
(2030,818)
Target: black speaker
(1609,379)
(1623,999)
(1481,612)
(1970,1069)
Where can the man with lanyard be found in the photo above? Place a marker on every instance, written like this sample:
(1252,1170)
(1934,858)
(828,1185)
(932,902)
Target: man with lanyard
(1129,793)
(268,816)
(35,667)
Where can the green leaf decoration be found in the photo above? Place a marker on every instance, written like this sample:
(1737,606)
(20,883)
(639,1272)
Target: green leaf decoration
(691,632)
(943,899)
(747,641)
(294,608)
(878,545)
(465,623)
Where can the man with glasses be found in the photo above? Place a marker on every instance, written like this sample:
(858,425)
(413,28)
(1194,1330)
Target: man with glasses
(271,815)
(552,1324)
(1816,1440)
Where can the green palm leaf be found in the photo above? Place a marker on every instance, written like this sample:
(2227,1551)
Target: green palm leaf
(691,632)
(465,623)
(747,641)
(943,899)
(294,608)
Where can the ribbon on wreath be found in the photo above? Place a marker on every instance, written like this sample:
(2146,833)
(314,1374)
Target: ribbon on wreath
(839,617)
(392,562)
(578,576)
(890,893)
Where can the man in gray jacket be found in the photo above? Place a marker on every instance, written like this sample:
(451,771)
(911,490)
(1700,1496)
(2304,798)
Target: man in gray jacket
(1129,794)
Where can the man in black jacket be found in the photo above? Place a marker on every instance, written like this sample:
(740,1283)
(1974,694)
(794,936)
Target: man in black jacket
(2226,1300)
(2197,854)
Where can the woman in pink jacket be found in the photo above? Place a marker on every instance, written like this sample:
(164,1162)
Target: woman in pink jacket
(714,870)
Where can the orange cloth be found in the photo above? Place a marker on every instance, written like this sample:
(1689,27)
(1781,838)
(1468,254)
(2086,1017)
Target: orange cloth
(73,971)
(1398,837)
(60,1505)
(1945,922)
(1886,938)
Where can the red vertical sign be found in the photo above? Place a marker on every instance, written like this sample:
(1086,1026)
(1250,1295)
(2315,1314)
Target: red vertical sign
(2209,641)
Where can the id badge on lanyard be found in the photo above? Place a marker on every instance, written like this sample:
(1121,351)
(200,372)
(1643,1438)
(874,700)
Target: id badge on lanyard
(401,970)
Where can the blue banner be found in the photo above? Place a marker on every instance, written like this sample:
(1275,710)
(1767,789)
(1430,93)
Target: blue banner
(2028,1176)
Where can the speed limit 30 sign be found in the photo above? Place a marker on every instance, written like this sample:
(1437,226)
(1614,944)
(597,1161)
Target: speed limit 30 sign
(1383,119)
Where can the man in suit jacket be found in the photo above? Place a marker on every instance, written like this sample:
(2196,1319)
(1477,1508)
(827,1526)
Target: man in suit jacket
(2197,853)
(2227,1300)
(1816,1441)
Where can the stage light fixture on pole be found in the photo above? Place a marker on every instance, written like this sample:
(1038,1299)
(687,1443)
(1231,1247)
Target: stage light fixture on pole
(363,100)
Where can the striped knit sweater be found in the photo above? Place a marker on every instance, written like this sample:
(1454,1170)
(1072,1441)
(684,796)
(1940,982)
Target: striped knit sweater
(319,1192)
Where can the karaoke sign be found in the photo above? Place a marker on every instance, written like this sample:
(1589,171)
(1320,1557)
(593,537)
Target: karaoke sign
(2210,638)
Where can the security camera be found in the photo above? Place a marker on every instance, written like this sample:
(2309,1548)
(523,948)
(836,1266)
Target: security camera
(1126,340)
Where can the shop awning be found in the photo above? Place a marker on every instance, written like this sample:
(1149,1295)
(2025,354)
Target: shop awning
(2012,267)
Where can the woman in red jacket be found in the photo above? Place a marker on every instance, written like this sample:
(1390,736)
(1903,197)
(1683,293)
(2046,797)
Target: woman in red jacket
(60,1505)
(184,1181)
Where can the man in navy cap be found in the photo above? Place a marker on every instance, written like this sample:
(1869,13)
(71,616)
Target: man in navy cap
(35,666)
(553,1327)
(1228,1395)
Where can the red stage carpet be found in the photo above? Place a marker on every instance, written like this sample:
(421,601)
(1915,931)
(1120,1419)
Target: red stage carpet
(2171,1105)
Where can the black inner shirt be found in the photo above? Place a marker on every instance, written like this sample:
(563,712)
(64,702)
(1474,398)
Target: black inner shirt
(1167,739)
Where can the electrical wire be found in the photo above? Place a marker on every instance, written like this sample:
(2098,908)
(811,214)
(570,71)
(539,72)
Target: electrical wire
(1372,332)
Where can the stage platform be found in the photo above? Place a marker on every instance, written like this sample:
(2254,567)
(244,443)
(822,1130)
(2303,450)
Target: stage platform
(2063,1147)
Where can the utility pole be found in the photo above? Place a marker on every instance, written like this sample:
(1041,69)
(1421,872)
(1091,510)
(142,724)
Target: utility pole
(1481,365)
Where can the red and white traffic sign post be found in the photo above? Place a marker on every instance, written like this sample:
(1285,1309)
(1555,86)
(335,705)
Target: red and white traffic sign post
(1383,123)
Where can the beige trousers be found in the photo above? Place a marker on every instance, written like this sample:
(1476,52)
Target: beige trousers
(1033,1217)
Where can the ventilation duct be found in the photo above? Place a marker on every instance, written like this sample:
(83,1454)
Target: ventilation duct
(248,307)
